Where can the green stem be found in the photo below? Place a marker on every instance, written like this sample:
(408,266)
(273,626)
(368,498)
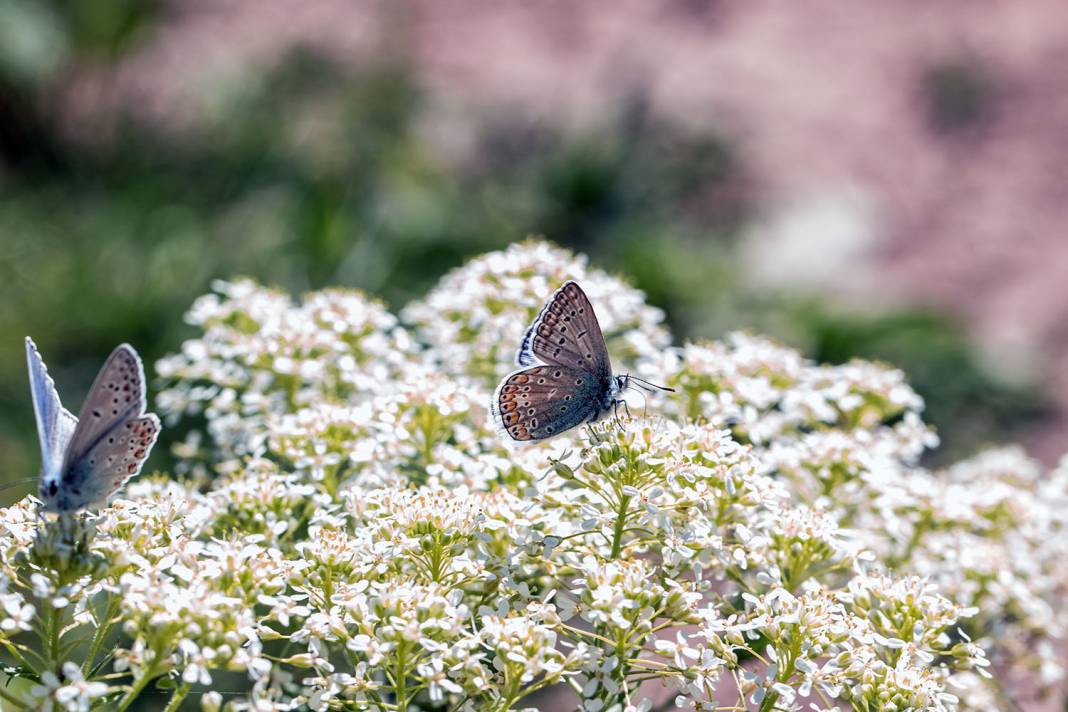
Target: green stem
(509,694)
(402,678)
(436,559)
(139,684)
(41,665)
(425,419)
(768,703)
(621,524)
(328,588)
(17,655)
(176,698)
(102,629)
(54,630)
(11,700)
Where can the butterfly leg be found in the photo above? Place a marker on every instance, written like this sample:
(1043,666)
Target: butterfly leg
(626,409)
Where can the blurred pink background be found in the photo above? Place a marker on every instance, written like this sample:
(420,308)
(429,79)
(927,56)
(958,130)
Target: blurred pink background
(865,193)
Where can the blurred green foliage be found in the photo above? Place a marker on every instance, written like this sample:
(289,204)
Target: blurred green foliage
(969,406)
(307,175)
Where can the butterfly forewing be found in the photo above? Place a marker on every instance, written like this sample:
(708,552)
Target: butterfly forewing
(543,401)
(566,333)
(55,424)
(116,456)
(117,396)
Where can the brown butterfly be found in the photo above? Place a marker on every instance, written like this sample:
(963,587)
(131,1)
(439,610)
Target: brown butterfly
(569,380)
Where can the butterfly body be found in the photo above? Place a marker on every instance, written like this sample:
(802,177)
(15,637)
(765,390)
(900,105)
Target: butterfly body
(87,459)
(568,378)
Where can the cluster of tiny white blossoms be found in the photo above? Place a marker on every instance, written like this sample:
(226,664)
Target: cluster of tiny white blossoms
(352,534)
(990,532)
(475,318)
(261,354)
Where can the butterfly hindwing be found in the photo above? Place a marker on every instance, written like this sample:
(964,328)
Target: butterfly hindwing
(116,456)
(542,401)
(567,333)
(55,424)
(117,395)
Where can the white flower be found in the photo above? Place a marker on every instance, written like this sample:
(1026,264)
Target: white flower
(18,615)
(73,693)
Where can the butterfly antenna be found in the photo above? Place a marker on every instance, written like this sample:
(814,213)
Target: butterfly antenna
(643,382)
(17,483)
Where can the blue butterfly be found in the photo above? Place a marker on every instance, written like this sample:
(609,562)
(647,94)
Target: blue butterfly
(571,380)
(87,459)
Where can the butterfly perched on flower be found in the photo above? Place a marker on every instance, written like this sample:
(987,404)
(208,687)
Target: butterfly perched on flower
(85,460)
(568,378)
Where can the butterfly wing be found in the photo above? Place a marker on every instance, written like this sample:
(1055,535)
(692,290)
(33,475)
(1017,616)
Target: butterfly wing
(55,424)
(113,436)
(117,395)
(566,333)
(543,401)
(116,457)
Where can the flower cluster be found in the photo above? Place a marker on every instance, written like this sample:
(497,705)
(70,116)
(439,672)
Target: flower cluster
(262,355)
(475,318)
(767,394)
(353,534)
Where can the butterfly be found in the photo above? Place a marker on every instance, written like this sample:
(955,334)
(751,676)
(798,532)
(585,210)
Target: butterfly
(569,379)
(85,460)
